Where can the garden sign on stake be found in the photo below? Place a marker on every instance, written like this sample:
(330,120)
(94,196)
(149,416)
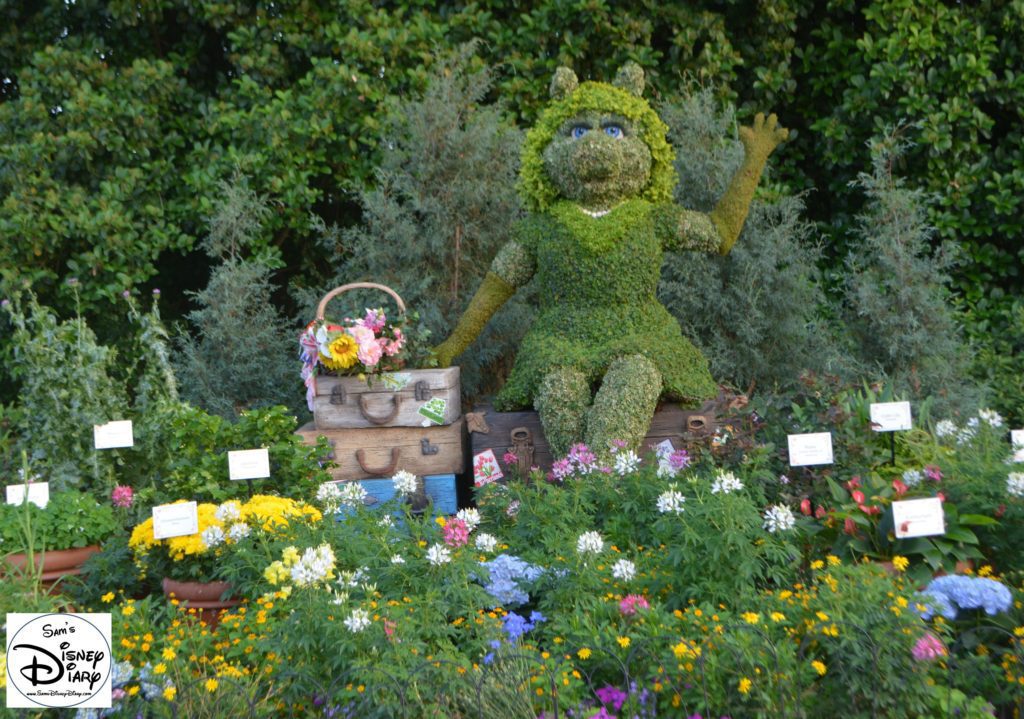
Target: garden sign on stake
(891,417)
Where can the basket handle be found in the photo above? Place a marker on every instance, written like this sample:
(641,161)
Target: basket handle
(322,307)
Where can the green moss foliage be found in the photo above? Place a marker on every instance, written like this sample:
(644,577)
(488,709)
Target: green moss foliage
(540,190)
(562,401)
(597,306)
(624,404)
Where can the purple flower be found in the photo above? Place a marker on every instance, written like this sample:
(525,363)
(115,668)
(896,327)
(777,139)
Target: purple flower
(156,291)
(679,460)
(126,294)
(612,696)
(562,468)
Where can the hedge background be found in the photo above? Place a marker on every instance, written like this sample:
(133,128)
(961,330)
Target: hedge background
(123,120)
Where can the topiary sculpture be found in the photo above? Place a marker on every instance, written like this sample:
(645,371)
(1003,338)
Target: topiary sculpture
(597,176)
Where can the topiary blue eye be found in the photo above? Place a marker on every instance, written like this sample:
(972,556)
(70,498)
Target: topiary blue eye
(578,131)
(613,131)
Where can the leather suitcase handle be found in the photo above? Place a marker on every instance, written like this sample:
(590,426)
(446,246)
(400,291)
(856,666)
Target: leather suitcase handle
(397,403)
(387,471)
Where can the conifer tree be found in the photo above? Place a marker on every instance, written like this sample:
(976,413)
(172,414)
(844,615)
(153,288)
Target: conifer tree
(444,202)
(241,354)
(755,313)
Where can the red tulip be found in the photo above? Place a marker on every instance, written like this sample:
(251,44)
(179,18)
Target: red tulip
(900,487)
(858,496)
(805,506)
(849,527)
(853,483)
(820,512)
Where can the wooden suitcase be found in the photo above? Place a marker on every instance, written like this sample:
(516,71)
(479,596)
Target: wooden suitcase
(349,402)
(521,432)
(380,452)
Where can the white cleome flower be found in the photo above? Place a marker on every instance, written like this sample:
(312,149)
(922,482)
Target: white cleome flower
(358,620)
(212,536)
(438,554)
(626,462)
(386,521)
(228,512)
(352,494)
(1015,484)
(945,428)
(315,565)
(993,418)
(671,501)
(486,542)
(779,518)
(405,483)
(589,543)
(913,477)
(397,559)
(470,516)
(239,531)
(329,496)
(726,483)
(624,570)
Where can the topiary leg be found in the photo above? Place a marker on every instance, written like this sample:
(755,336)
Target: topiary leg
(624,405)
(562,400)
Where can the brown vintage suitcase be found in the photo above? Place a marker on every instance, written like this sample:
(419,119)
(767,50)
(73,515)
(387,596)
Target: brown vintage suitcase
(521,432)
(349,402)
(382,451)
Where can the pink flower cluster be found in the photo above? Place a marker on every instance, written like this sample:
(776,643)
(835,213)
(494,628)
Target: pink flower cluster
(928,648)
(631,604)
(122,496)
(580,460)
(455,533)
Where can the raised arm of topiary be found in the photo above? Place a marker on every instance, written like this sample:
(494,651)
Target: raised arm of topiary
(717,231)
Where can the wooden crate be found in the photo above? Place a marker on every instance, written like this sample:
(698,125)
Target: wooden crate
(522,434)
(382,451)
(349,402)
(439,487)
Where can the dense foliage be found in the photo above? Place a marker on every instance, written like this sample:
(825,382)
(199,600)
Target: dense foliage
(122,119)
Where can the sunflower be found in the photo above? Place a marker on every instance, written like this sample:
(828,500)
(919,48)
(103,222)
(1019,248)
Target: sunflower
(343,351)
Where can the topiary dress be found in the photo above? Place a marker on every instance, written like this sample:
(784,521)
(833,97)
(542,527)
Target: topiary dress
(598,280)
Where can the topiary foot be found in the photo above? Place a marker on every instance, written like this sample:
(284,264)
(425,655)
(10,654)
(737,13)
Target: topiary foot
(624,405)
(562,400)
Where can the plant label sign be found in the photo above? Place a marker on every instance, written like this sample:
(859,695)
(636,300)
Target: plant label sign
(175,520)
(486,468)
(810,449)
(38,493)
(113,434)
(891,416)
(1017,441)
(918,518)
(664,449)
(249,464)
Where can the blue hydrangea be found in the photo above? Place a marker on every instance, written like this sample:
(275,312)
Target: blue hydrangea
(955,592)
(505,574)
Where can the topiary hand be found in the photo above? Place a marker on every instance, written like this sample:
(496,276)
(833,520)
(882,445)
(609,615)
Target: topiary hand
(763,136)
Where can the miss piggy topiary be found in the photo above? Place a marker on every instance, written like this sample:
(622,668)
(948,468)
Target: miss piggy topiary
(597,176)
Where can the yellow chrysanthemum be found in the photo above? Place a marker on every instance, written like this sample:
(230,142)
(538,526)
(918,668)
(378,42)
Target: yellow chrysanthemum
(344,352)
(900,563)
(751,617)
(107,598)
(211,685)
(819,667)
(623,642)
(583,653)
(170,693)
(3,670)
(745,685)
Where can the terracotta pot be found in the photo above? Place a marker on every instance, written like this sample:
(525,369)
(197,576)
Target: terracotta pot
(55,563)
(204,597)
